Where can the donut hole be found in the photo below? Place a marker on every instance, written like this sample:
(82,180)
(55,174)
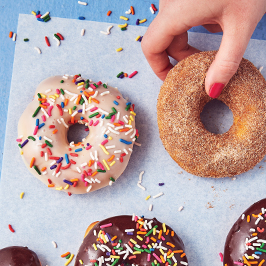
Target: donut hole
(216,117)
(77,132)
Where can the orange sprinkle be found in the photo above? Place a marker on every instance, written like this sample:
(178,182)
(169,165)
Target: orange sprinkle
(95,173)
(261,262)
(160,234)
(245,261)
(254,234)
(162,258)
(74,180)
(183,255)
(51,185)
(66,102)
(248,218)
(96,101)
(172,233)
(64,255)
(178,251)
(88,94)
(43,106)
(124,129)
(32,162)
(256,216)
(140,232)
(42,100)
(10,34)
(78,99)
(132,10)
(169,252)
(109,13)
(55,131)
(125,75)
(153,239)
(111,158)
(170,244)
(167,232)
(91,162)
(74,78)
(72,120)
(117,124)
(115,237)
(43,169)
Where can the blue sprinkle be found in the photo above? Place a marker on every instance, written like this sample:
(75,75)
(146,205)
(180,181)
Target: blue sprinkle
(59,160)
(121,76)
(130,233)
(81,118)
(126,142)
(116,103)
(37,122)
(53,166)
(77,150)
(161,184)
(62,104)
(151,249)
(40,138)
(128,103)
(105,136)
(40,19)
(66,157)
(108,236)
(88,144)
(38,12)
(81,18)
(68,182)
(258,252)
(24,143)
(103,116)
(80,91)
(80,111)
(41,125)
(140,39)
(158,241)
(108,253)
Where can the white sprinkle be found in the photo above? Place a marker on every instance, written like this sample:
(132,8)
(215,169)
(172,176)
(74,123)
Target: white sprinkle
(107,31)
(110,147)
(129,230)
(115,132)
(134,133)
(260,69)
(89,188)
(117,151)
(152,11)
(128,248)
(46,156)
(64,123)
(130,126)
(130,149)
(133,217)
(95,166)
(80,87)
(183,262)
(138,144)
(181,208)
(117,128)
(128,12)
(117,115)
(48,90)
(104,93)
(128,132)
(51,100)
(45,113)
(110,183)
(107,132)
(88,180)
(14,37)
(101,123)
(140,176)
(82,32)
(65,77)
(70,93)
(126,152)
(83,164)
(111,125)
(74,113)
(74,98)
(62,97)
(140,186)
(92,157)
(47,139)
(150,208)
(58,174)
(45,14)
(78,169)
(53,174)
(83,108)
(243,216)
(97,180)
(158,195)
(53,162)
(252,239)
(44,173)
(82,3)
(89,107)
(102,111)
(261,241)
(125,119)
(85,99)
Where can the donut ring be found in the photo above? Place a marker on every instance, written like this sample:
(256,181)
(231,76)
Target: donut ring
(130,239)
(245,243)
(18,256)
(198,151)
(95,162)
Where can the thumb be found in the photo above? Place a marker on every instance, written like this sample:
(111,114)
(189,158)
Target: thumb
(226,61)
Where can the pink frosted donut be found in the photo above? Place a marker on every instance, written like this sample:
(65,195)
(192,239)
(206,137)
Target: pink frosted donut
(86,166)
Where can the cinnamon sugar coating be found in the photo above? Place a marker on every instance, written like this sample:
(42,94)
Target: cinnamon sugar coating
(181,100)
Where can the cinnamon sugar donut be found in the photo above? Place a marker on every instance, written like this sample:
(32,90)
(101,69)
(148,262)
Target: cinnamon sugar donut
(198,151)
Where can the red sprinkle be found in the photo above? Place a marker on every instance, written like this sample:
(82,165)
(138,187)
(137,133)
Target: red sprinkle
(60,109)
(58,168)
(74,154)
(69,194)
(118,97)
(50,181)
(41,153)
(47,41)
(72,161)
(49,151)
(51,126)
(65,167)
(44,145)
(121,159)
(60,36)
(54,158)
(75,183)
(11,228)
(153,7)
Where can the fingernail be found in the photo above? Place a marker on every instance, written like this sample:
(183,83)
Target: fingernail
(216,90)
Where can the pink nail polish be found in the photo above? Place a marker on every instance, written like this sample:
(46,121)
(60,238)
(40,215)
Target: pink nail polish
(216,90)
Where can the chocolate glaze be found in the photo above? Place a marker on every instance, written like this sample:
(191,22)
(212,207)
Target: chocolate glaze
(235,246)
(18,256)
(119,224)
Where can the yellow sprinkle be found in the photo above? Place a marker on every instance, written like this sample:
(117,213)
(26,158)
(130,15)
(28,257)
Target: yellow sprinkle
(106,165)
(70,259)
(90,99)
(161,251)
(33,13)
(103,238)
(59,188)
(164,228)
(21,152)
(124,18)
(56,95)
(115,257)
(133,113)
(154,231)
(21,195)
(81,83)
(149,246)
(131,117)
(133,241)
(70,111)
(148,197)
(43,95)
(129,122)
(52,96)
(67,186)
(104,150)
(171,255)
(175,264)
(122,26)
(137,38)
(143,20)
(99,234)
(110,138)
(140,238)
(81,261)
(112,163)
(94,246)
(155,262)
(136,252)
(119,49)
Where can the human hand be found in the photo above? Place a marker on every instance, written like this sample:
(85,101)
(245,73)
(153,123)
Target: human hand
(167,35)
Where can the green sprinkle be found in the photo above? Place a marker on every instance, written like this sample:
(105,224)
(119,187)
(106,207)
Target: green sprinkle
(87,85)
(112,179)
(127,108)
(95,85)
(169,261)
(74,107)
(139,249)
(262,245)
(62,91)
(47,19)
(114,263)
(39,95)
(151,230)
(108,117)
(262,250)
(104,85)
(101,171)
(37,111)
(87,81)
(31,137)
(120,241)
(19,145)
(119,74)
(147,250)
(114,110)
(118,248)
(48,143)
(95,263)
(26,40)
(37,169)
(62,81)
(125,28)
(68,256)
(57,37)
(81,101)
(152,264)
(94,114)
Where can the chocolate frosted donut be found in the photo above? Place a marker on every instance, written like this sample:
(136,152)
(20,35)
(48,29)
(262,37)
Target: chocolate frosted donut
(198,151)
(131,240)
(18,256)
(245,243)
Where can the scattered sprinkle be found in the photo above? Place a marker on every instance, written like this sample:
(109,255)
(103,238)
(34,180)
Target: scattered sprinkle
(82,32)
(109,13)
(38,50)
(82,3)
(158,195)
(181,208)
(119,49)
(55,245)
(11,228)
(21,195)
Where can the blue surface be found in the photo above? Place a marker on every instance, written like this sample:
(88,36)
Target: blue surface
(95,10)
